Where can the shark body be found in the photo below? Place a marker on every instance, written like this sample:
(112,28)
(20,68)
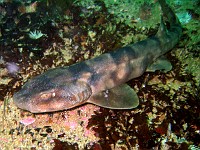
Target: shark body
(99,80)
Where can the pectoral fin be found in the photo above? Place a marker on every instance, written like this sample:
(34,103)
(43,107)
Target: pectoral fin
(120,97)
(162,64)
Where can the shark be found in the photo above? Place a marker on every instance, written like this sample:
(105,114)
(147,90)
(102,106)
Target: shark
(101,80)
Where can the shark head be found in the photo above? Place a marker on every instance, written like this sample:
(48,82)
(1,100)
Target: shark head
(41,95)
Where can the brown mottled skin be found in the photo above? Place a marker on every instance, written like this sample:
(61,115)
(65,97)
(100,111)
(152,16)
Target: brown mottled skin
(66,87)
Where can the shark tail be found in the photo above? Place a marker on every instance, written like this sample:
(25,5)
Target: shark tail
(173,20)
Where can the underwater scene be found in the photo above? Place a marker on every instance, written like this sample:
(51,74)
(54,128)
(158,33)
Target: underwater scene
(100,75)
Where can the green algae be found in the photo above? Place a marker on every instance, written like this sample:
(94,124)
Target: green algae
(131,38)
(189,54)
(190,63)
(172,87)
(140,13)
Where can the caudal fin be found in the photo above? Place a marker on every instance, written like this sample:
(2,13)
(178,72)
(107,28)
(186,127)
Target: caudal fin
(170,15)
(175,25)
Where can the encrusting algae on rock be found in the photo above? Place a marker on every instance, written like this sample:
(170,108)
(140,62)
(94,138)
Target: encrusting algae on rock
(45,131)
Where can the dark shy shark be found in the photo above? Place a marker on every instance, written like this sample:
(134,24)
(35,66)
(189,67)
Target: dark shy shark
(100,80)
